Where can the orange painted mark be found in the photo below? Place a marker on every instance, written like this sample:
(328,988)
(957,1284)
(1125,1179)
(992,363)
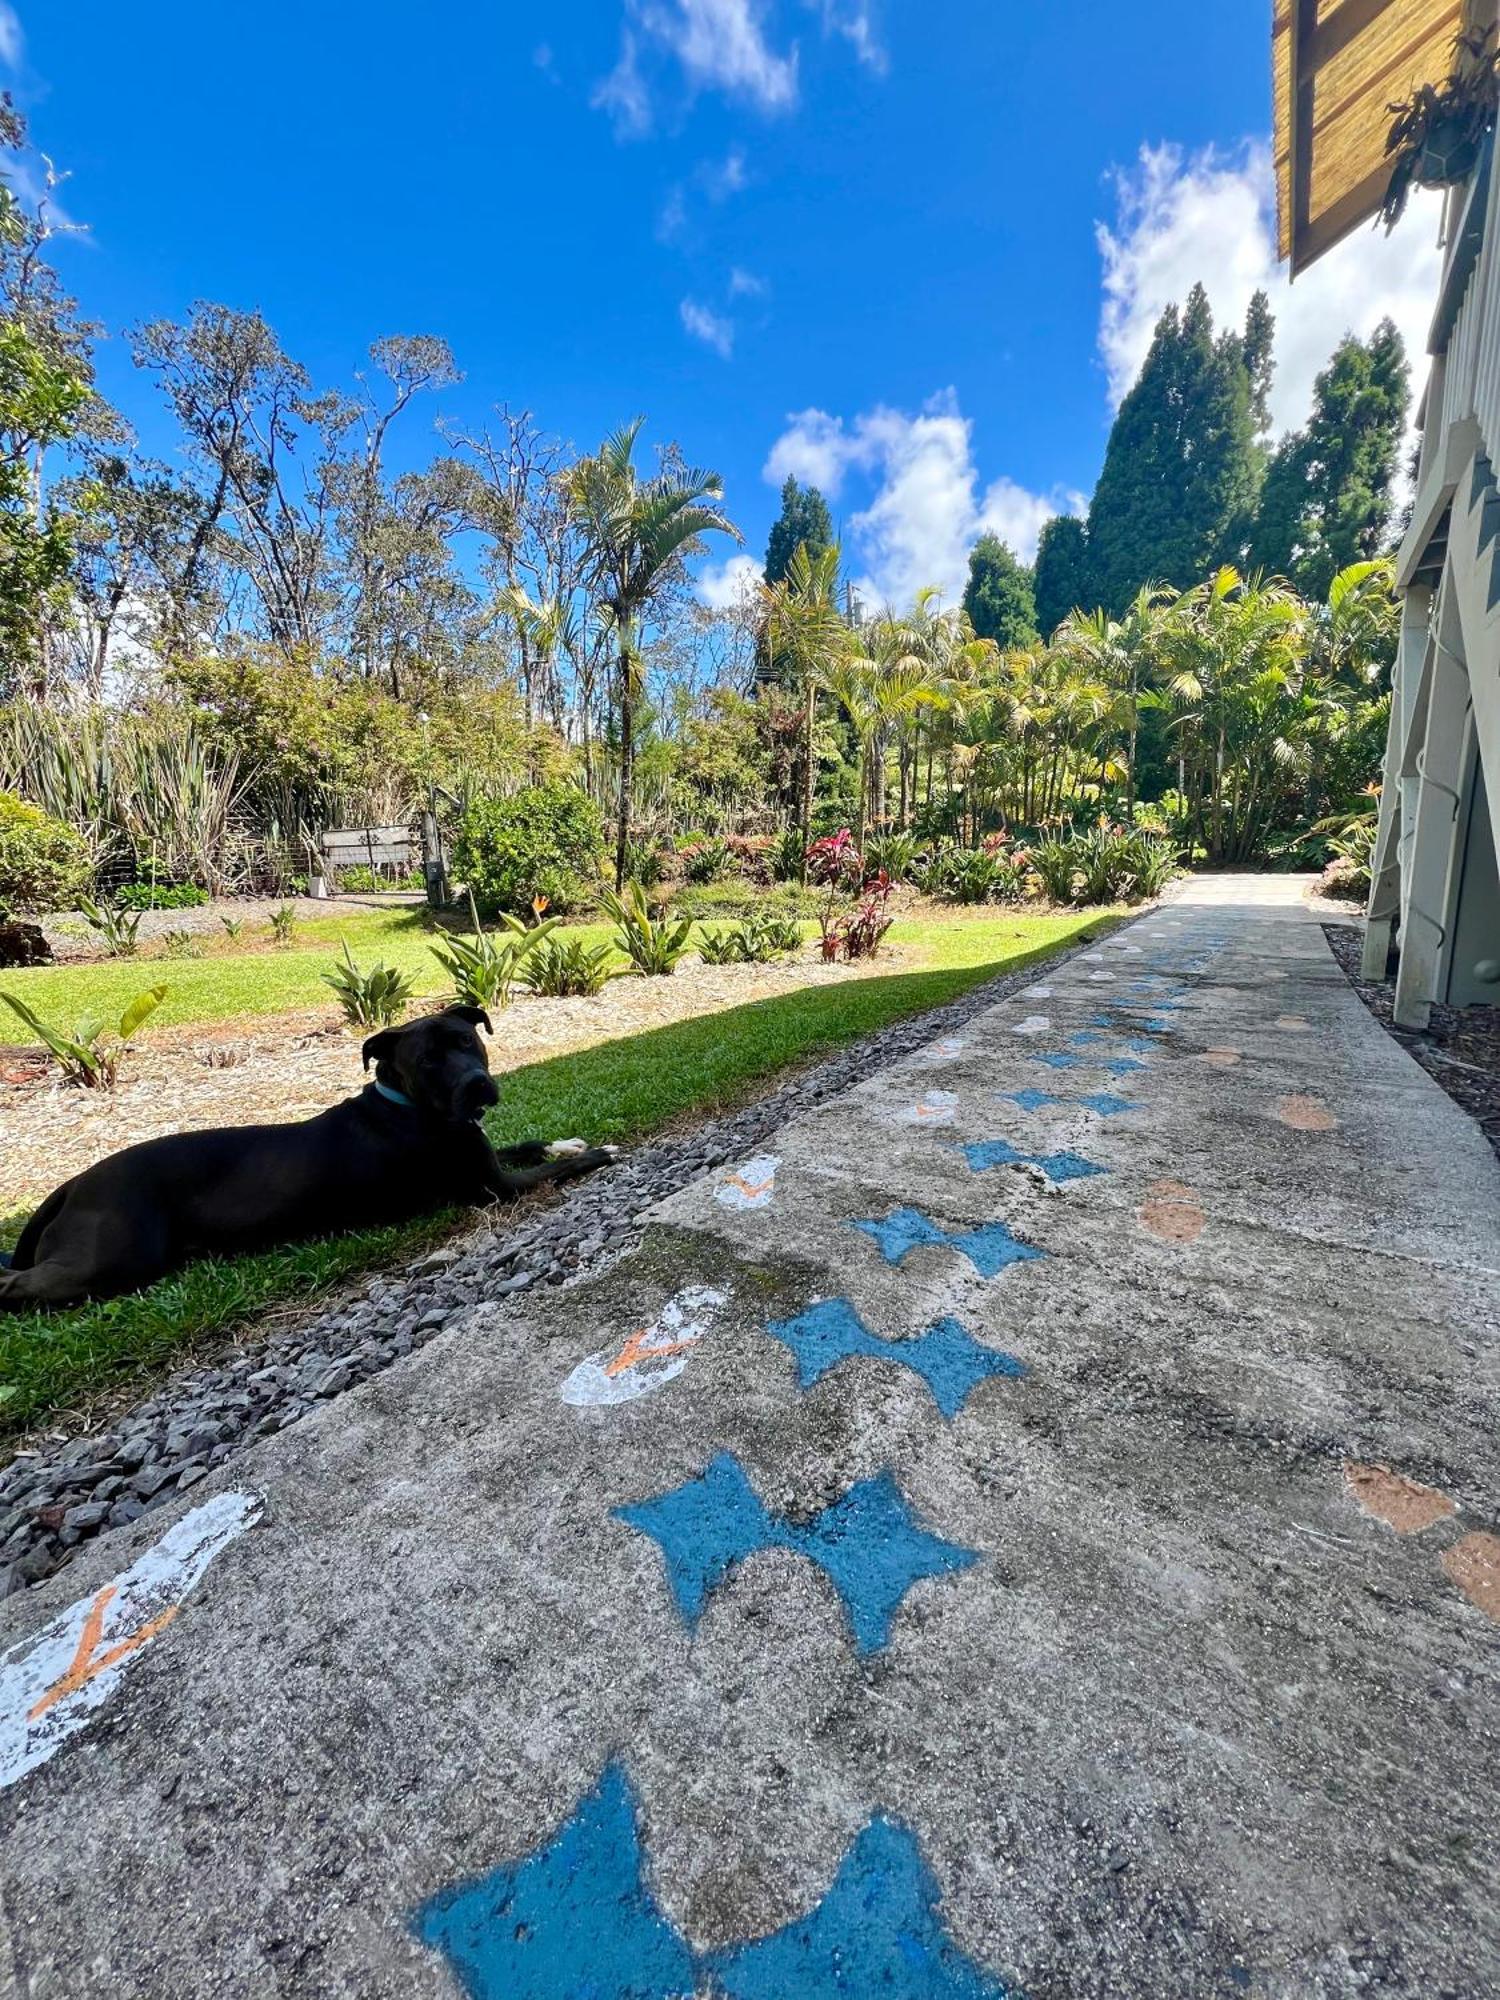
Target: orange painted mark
(1474,1565)
(1221,1058)
(1400,1502)
(637,1349)
(753,1190)
(1305,1114)
(1171,1212)
(1294,1024)
(88,1661)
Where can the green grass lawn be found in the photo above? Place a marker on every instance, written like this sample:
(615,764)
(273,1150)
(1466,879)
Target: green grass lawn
(620,1090)
(228,983)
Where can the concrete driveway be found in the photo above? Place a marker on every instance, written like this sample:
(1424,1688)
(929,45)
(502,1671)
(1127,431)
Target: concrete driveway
(1030,1530)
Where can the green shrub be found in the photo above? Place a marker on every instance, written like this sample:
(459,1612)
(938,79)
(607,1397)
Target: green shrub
(44,865)
(1103,864)
(160,896)
(484,967)
(543,842)
(82,1056)
(652,944)
(706,860)
(284,926)
(370,999)
(232,927)
(970,875)
(567,968)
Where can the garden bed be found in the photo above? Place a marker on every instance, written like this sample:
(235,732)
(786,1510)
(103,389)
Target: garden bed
(294,1065)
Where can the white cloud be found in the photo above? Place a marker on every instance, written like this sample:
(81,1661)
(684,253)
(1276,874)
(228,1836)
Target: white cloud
(720,45)
(623,93)
(720,179)
(717,180)
(1210,217)
(725,586)
(12,39)
(546,61)
(924,511)
(852,20)
(744,284)
(712,328)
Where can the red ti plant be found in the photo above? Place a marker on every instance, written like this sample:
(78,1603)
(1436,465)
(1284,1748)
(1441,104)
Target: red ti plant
(835,864)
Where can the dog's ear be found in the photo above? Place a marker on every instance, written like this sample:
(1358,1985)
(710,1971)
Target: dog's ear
(378,1047)
(475,1016)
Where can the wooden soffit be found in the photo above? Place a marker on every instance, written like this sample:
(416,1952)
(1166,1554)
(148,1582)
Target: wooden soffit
(1338,66)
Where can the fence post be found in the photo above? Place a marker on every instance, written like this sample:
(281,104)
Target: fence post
(432,856)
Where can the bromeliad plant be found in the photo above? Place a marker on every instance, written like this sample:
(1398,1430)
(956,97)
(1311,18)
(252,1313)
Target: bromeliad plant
(567,968)
(372,998)
(83,1056)
(486,966)
(756,940)
(652,944)
(117,929)
(284,926)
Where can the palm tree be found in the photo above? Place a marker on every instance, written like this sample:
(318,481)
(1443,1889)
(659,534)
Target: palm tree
(1121,652)
(807,636)
(636,528)
(1233,648)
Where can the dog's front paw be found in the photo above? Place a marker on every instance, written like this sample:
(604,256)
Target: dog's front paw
(563,1149)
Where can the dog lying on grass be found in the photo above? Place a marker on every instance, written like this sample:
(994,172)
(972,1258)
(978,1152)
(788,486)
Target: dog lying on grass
(408,1144)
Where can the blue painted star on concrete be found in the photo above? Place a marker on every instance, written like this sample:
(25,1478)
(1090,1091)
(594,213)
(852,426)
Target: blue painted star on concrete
(869,1543)
(1102,1101)
(1057,1059)
(990,1248)
(1123,1065)
(947,1356)
(876,1931)
(1061,1167)
(573,1921)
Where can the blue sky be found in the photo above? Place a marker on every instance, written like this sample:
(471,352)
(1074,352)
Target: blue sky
(914,251)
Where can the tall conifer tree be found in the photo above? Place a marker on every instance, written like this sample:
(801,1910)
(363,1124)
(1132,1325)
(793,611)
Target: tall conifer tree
(998,596)
(1181,472)
(1062,580)
(1327,497)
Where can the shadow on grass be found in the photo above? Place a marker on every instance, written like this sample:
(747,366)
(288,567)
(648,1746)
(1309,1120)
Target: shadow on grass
(621,1090)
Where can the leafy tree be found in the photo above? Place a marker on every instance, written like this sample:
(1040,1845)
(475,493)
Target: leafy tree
(1062,580)
(803,520)
(998,596)
(1181,470)
(1327,497)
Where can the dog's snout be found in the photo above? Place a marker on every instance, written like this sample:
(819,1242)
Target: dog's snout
(476,1094)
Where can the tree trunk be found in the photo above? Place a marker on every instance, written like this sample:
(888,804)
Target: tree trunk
(807,778)
(627,756)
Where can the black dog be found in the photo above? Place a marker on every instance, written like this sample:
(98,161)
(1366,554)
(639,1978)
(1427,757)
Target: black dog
(408,1144)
